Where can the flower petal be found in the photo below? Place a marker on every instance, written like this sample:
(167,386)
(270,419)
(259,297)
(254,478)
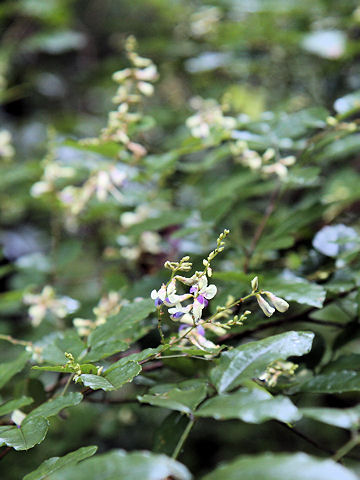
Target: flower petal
(209,292)
(265,307)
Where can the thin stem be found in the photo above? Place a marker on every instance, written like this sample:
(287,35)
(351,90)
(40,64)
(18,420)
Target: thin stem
(305,437)
(67,384)
(160,329)
(183,438)
(261,227)
(345,449)
(14,341)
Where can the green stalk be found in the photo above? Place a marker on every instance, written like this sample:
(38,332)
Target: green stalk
(183,438)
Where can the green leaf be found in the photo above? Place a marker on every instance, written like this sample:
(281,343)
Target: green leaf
(12,405)
(341,148)
(251,406)
(106,149)
(54,406)
(297,289)
(345,362)
(56,344)
(123,374)
(114,379)
(31,432)
(9,369)
(339,417)
(332,313)
(105,349)
(335,382)
(137,357)
(251,359)
(96,382)
(165,219)
(52,465)
(184,401)
(126,327)
(281,466)
(121,465)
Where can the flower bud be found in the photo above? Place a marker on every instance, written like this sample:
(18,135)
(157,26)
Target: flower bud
(255,284)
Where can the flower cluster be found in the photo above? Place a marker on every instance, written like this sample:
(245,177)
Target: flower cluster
(104,181)
(47,302)
(276,370)
(267,163)
(197,298)
(209,119)
(134,83)
(101,184)
(110,304)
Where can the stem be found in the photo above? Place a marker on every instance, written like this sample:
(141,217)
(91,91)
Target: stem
(183,438)
(67,384)
(260,229)
(352,443)
(160,329)
(14,341)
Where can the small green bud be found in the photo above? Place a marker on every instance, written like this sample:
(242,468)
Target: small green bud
(255,284)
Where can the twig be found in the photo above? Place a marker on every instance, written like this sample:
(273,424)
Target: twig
(306,438)
(14,341)
(277,323)
(260,229)
(345,449)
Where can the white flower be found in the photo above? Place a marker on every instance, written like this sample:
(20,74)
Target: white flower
(197,337)
(202,293)
(47,301)
(265,307)
(279,303)
(173,297)
(167,295)
(180,313)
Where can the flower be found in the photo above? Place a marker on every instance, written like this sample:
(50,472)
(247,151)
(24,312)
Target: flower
(179,312)
(47,301)
(159,296)
(265,307)
(197,337)
(202,293)
(167,295)
(279,303)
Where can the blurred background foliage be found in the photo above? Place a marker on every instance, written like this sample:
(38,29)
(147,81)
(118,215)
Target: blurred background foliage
(281,68)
